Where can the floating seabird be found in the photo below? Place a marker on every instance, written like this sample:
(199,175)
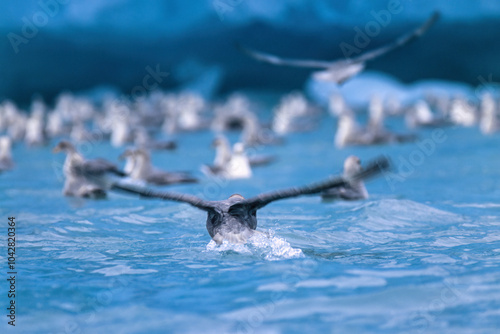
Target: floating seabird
(378,133)
(6,161)
(231,115)
(352,190)
(139,168)
(223,156)
(462,112)
(79,133)
(235,219)
(183,112)
(121,132)
(421,115)
(142,139)
(337,105)
(291,114)
(35,134)
(17,127)
(254,134)
(489,119)
(190,107)
(8,114)
(340,70)
(238,167)
(349,132)
(85,178)
(55,124)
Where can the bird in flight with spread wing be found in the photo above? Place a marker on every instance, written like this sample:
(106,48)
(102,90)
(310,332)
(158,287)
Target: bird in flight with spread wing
(342,69)
(235,219)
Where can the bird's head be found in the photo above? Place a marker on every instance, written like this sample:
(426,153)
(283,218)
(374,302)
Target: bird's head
(128,153)
(238,148)
(235,198)
(64,146)
(352,165)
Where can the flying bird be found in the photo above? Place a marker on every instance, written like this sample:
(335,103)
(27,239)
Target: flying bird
(342,69)
(235,219)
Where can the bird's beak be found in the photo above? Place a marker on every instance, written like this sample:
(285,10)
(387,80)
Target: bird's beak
(56,149)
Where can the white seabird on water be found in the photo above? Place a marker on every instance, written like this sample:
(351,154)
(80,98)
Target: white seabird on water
(238,167)
(254,134)
(349,132)
(290,115)
(376,129)
(17,126)
(340,70)
(142,139)
(354,189)
(121,132)
(337,105)
(420,114)
(489,119)
(85,178)
(231,114)
(139,168)
(223,156)
(183,112)
(6,161)
(55,124)
(462,112)
(235,219)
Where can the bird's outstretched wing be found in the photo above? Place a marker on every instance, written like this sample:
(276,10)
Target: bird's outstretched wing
(170,196)
(275,60)
(373,168)
(400,42)
(403,40)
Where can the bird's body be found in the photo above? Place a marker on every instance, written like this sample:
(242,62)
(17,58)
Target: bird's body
(6,161)
(238,167)
(233,164)
(354,190)
(421,115)
(462,112)
(142,139)
(292,114)
(349,132)
(140,168)
(35,134)
(85,178)
(489,119)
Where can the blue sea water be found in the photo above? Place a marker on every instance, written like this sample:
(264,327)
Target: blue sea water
(422,255)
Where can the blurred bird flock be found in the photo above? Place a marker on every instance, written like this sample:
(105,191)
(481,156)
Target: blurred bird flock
(351,113)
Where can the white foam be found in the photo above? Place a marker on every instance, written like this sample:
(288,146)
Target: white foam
(264,245)
(122,270)
(343,282)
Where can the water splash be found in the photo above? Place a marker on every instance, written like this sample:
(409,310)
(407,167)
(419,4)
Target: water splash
(262,244)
